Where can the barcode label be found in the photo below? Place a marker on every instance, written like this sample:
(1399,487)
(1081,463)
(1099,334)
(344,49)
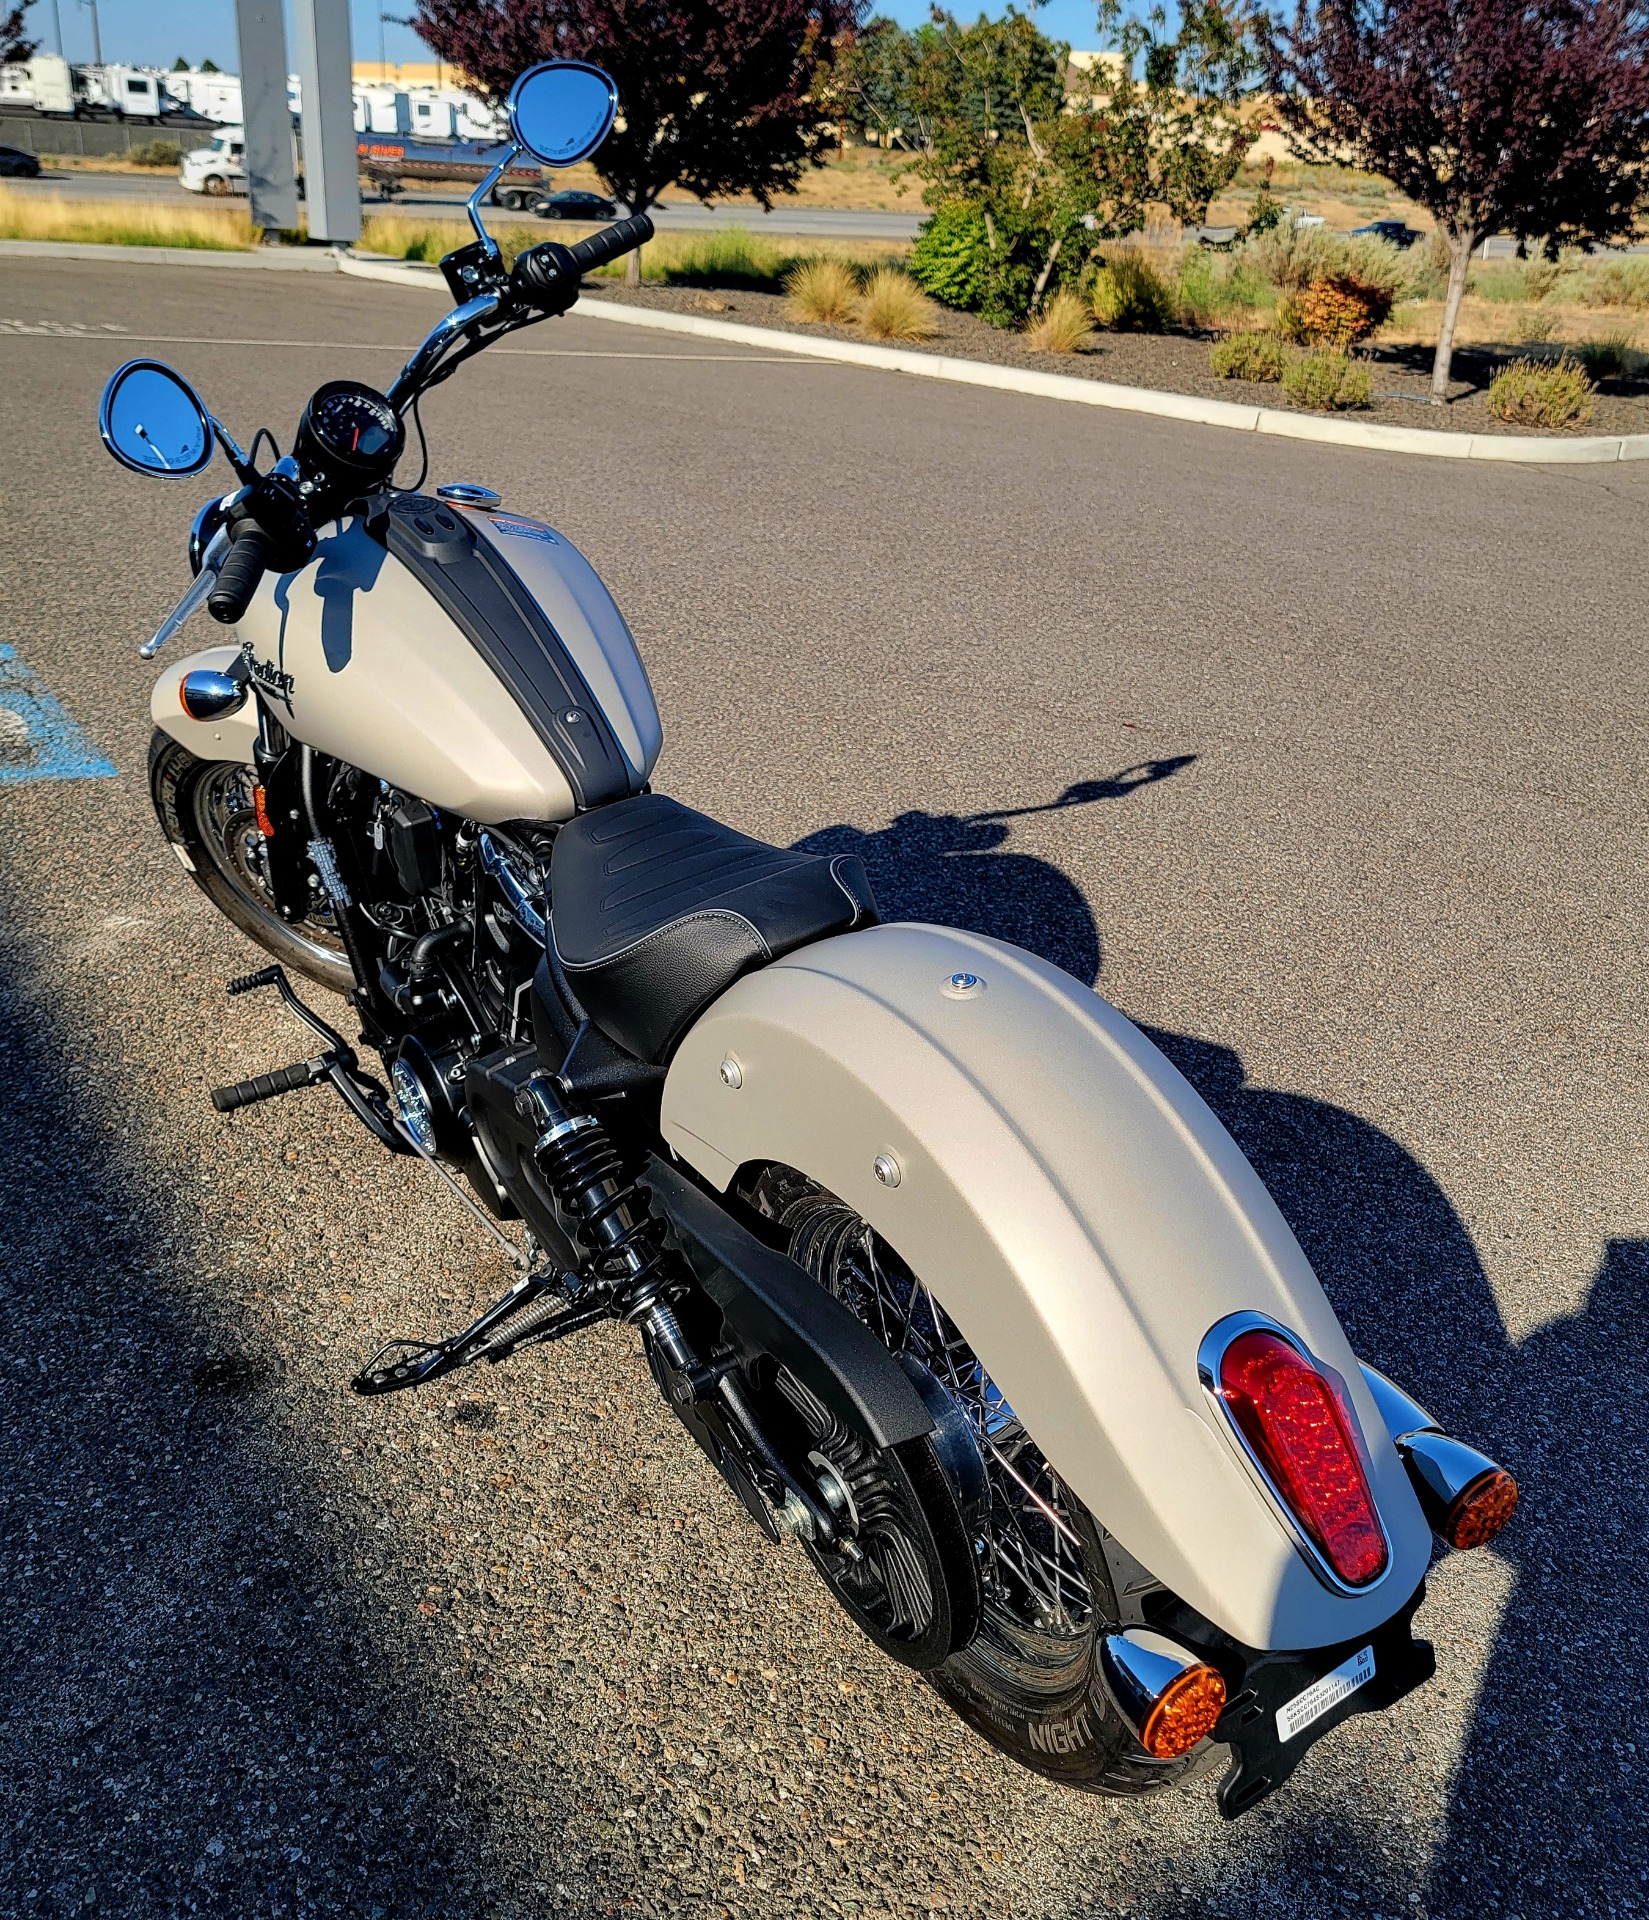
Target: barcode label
(1298,1713)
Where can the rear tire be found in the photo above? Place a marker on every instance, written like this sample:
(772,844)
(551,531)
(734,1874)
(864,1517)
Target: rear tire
(206,811)
(1027,1677)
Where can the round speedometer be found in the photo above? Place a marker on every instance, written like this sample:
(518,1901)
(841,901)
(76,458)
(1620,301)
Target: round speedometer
(350,426)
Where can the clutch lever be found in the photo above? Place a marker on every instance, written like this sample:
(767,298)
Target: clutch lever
(211,561)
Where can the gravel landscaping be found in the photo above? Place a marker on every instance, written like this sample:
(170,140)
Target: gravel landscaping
(1176,363)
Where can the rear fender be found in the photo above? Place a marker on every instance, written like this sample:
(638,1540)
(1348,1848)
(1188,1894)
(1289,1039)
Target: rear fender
(231,736)
(1081,1215)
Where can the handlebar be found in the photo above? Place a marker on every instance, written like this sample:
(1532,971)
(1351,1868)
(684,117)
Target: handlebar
(238,578)
(547,276)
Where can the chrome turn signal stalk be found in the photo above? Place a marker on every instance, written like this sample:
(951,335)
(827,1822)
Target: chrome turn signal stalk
(1170,1697)
(1466,1497)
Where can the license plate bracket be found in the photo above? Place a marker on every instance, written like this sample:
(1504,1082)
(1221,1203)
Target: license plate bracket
(1268,1740)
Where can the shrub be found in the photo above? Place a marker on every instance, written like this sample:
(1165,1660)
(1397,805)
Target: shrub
(1247,356)
(1291,256)
(823,291)
(156,153)
(1061,327)
(1212,286)
(1607,357)
(1131,296)
(1529,394)
(1621,283)
(948,259)
(1336,311)
(1530,329)
(1329,382)
(893,307)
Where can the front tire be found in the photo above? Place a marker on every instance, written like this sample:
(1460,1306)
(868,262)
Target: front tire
(1027,1678)
(207,811)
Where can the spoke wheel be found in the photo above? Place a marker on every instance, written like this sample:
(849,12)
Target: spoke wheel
(207,810)
(1027,1678)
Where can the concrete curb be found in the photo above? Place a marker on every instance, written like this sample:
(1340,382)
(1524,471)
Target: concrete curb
(278,259)
(1525,450)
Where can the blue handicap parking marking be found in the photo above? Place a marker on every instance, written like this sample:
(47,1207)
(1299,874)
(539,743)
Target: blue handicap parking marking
(38,739)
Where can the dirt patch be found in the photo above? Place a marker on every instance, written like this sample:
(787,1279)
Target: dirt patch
(1178,363)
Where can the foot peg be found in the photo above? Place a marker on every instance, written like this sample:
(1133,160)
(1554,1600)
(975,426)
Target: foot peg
(365,1098)
(529,1314)
(270,1086)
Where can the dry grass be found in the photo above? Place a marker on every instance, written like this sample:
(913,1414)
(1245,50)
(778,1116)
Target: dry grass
(124,223)
(1061,327)
(822,291)
(893,307)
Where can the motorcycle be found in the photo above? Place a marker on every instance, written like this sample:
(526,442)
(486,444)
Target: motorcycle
(953,1278)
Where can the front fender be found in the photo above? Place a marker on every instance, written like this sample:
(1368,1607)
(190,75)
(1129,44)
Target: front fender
(231,736)
(1080,1214)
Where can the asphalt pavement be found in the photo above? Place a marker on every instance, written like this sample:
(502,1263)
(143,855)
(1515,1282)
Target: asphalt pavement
(675,215)
(509,1649)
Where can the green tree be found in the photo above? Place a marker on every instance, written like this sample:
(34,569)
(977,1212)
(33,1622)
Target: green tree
(1055,162)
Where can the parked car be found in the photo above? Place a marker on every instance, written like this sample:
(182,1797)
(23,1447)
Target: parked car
(1397,232)
(572,203)
(18,165)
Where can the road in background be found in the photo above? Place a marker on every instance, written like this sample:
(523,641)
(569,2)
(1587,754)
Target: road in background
(675,216)
(506,1647)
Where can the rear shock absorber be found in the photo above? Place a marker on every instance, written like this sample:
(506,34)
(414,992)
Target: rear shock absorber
(624,1237)
(625,1241)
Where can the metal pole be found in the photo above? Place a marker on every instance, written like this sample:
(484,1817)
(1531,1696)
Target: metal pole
(57,28)
(97,35)
(330,164)
(270,174)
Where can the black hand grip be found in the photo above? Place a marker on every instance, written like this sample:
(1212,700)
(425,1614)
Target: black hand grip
(611,242)
(269,1086)
(240,574)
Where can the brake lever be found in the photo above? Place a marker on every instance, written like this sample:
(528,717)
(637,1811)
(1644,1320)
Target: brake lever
(217,551)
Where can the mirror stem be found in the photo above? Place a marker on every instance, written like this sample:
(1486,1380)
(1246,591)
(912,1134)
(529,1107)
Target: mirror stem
(477,198)
(245,472)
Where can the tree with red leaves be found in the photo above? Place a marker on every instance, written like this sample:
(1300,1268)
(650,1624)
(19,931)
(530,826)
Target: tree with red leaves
(15,46)
(713,95)
(1526,117)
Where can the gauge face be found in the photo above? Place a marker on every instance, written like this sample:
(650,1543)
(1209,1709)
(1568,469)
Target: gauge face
(354,425)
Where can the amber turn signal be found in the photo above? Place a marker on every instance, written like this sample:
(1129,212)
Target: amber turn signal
(1185,1714)
(1167,1695)
(1465,1496)
(1481,1510)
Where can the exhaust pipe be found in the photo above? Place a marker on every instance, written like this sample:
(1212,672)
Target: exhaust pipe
(1466,1498)
(1170,1697)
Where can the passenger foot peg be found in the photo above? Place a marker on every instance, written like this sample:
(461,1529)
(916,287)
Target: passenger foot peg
(529,1314)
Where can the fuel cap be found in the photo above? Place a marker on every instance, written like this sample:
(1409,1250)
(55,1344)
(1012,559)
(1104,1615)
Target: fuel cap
(465,493)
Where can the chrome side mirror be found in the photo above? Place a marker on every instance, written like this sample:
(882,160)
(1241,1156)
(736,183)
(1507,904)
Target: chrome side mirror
(153,421)
(562,110)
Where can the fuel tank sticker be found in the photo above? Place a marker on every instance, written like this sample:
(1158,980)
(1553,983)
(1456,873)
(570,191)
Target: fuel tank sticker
(525,529)
(1297,1714)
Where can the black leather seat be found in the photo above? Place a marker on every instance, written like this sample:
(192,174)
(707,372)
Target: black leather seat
(655,910)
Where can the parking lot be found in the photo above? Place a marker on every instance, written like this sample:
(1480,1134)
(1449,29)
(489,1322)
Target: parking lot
(510,1649)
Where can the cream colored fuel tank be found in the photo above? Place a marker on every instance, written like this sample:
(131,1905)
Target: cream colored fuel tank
(484,669)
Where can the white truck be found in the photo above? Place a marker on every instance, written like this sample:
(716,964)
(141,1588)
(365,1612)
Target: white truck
(219,168)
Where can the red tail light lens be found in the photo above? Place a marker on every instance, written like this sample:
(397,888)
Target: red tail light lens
(1293,1420)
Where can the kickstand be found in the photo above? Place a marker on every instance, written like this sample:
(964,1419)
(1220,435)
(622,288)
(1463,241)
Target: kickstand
(522,1318)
